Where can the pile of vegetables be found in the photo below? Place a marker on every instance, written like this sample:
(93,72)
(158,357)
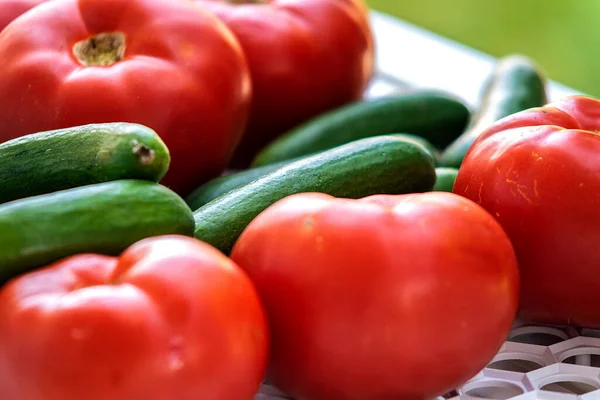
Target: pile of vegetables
(195,198)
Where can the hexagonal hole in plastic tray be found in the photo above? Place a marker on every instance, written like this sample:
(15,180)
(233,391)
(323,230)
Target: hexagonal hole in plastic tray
(590,332)
(490,389)
(580,350)
(543,395)
(494,384)
(540,335)
(519,357)
(565,378)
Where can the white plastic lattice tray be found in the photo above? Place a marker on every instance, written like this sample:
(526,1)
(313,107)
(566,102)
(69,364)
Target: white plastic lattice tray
(536,363)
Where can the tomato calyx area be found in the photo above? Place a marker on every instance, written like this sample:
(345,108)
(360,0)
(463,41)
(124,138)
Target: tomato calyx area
(103,49)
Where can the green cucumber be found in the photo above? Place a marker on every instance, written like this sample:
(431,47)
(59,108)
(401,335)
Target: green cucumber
(516,84)
(437,117)
(61,159)
(445,177)
(103,218)
(378,165)
(435,153)
(224,184)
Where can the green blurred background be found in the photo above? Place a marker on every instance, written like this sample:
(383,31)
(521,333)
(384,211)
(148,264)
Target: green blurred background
(563,36)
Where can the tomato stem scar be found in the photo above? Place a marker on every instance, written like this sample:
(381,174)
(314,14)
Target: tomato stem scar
(103,49)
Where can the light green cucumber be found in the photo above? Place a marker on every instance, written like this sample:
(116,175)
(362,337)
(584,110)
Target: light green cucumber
(516,84)
(445,177)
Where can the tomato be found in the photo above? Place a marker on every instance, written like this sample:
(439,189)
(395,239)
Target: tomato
(11,9)
(165,64)
(538,173)
(305,57)
(383,298)
(172,318)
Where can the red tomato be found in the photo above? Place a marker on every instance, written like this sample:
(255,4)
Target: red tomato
(11,9)
(172,318)
(305,57)
(383,298)
(177,69)
(538,173)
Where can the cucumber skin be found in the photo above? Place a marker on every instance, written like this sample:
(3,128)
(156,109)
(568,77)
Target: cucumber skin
(61,159)
(435,153)
(104,218)
(445,178)
(437,117)
(224,184)
(379,165)
(516,84)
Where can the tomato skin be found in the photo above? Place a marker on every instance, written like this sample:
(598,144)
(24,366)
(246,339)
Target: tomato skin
(305,57)
(11,9)
(541,181)
(383,298)
(183,74)
(172,318)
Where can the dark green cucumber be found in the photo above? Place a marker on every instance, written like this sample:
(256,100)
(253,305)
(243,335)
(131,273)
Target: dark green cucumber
(379,165)
(61,159)
(224,184)
(435,153)
(437,117)
(516,84)
(445,177)
(103,218)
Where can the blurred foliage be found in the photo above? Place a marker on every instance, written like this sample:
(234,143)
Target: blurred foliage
(560,35)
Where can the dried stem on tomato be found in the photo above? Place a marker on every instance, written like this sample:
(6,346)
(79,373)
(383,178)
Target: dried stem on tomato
(102,49)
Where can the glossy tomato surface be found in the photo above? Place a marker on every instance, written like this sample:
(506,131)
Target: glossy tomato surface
(383,298)
(11,9)
(172,318)
(174,68)
(538,173)
(305,56)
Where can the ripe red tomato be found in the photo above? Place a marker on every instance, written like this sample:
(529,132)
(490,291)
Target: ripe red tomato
(165,64)
(305,57)
(11,9)
(172,318)
(538,173)
(383,298)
